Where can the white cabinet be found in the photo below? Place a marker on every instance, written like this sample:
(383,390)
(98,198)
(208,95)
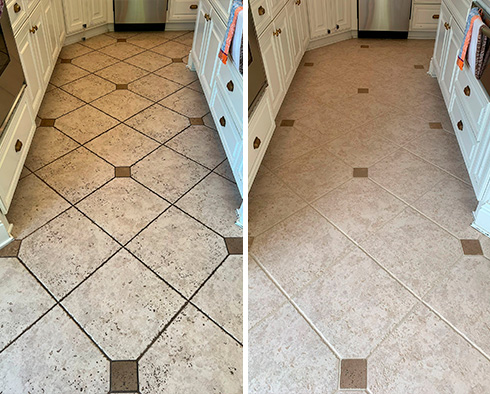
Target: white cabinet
(84,14)
(183,10)
(96,13)
(329,17)
(284,37)
(201,33)
(341,13)
(425,17)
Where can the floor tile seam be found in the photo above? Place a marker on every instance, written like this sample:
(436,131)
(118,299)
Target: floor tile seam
(222,176)
(189,158)
(52,161)
(79,42)
(84,101)
(297,308)
(88,73)
(84,42)
(68,112)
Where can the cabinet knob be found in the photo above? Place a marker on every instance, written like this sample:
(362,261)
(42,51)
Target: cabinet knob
(17,8)
(261,10)
(230,86)
(207,17)
(328,31)
(467,91)
(33,29)
(298,2)
(193,7)
(447,25)
(460,125)
(222,121)
(257,142)
(275,33)
(279,31)
(18,145)
(435,16)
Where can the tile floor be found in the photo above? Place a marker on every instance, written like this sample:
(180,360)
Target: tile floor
(120,279)
(357,274)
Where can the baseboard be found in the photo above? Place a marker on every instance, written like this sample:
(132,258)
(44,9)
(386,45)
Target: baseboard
(422,35)
(77,37)
(179,26)
(328,40)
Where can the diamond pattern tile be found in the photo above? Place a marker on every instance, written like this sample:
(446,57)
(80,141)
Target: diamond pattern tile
(154,87)
(122,104)
(187,102)
(57,103)
(121,73)
(89,88)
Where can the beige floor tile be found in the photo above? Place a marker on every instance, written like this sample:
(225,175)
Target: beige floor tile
(22,300)
(74,50)
(112,207)
(201,144)
(221,297)
(298,105)
(406,175)
(47,145)
(359,207)
(154,87)
(270,201)
(121,50)
(414,249)
(451,203)
(314,173)
(214,202)
(208,121)
(123,306)
(187,102)
(432,109)
(361,107)
(94,61)
(159,123)
(196,85)
(70,361)
(99,41)
(57,103)
(168,173)
(188,256)
(172,49)
(122,146)
(77,174)
(423,355)
(85,123)
(25,172)
(287,356)
(122,34)
(186,39)
(224,170)
(89,88)
(148,40)
(300,249)
(65,72)
(122,73)
(178,72)
(33,205)
(66,251)
(122,104)
(149,61)
(210,360)
(374,304)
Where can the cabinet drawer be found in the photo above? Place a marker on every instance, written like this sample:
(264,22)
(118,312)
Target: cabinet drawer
(17,11)
(464,131)
(230,83)
(459,9)
(183,10)
(425,17)
(262,15)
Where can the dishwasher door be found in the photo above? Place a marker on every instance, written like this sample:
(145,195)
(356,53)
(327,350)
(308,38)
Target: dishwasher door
(384,16)
(140,12)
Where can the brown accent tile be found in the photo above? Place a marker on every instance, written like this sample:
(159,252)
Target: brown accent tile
(177,60)
(250,241)
(196,121)
(65,60)
(47,122)
(287,123)
(364,46)
(234,245)
(353,374)
(363,90)
(418,67)
(435,125)
(471,247)
(308,64)
(360,172)
(123,172)
(11,250)
(122,86)
(122,40)
(124,376)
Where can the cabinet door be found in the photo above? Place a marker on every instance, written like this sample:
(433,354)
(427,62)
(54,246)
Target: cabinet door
(318,17)
(285,41)
(96,11)
(305,24)
(341,13)
(450,55)
(58,5)
(42,44)
(294,16)
(441,40)
(74,15)
(210,51)
(200,33)
(53,28)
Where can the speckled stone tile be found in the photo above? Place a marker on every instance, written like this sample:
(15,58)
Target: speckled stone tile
(122,104)
(414,249)
(186,39)
(221,297)
(33,205)
(361,107)
(47,145)
(196,85)
(214,202)
(89,88)
(201,144)
(65,72)
(73,51)
(208,121)
(172,49)
(210,360)
(122,146)
(57,103)
(112,208)
(70,361)
(11,249)
(99,41)
(148,40)
(65,251)
(424,355)
(149,61)
(187,102)
(22,300)
(189,254)
(287,356)
(94,61)
(121,50)
(178,72)
(154,87)
(77,174)
(85,123)
(224,170)
(158,123)
(122,73)
(168,173)
(102,304)
(25,172)
(300,249)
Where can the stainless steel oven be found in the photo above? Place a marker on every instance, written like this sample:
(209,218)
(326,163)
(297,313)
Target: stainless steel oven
(12,81)
(140,14)
(257,80)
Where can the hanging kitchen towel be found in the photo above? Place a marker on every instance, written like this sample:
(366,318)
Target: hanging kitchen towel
(236,7)
(482,55)
(2,4)
(475,36)
(472,17)
(236,46)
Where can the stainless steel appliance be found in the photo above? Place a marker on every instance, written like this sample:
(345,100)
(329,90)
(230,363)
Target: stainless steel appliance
(140,14)
(257,80)
(12,81)
(384,18)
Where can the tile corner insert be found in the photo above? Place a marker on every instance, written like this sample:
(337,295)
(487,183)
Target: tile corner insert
(287,123)
(47,122)
(65,60)
(196,121)
(364,46)
(234,245)
(363,90)
(308,64)
(124,376)
(122,86)
(418,67)
(177,60)
(435,125)
(123,172)
(361,172)
(122,40)
(11,250)
(353,374)
(471,247)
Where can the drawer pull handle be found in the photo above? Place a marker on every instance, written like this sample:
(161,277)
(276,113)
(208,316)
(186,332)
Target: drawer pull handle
(257,142)
(435,16)
(298,2)
(17,8)
(467,91)
(230,86)
(33,29)
(207,17)
(337,26)
(18,145)
(447,26)
(328,31)
(193,7)
(275,33)
(460,125)
(222,121)
(261,10)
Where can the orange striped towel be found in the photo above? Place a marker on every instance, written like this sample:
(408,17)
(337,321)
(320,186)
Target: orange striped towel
(475,13)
